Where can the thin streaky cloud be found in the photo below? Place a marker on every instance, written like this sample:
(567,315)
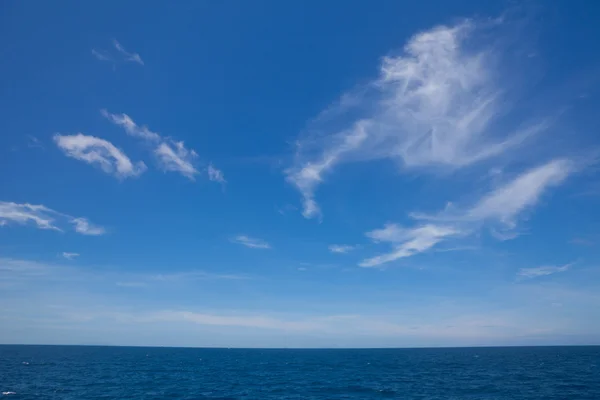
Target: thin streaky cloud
(500,208)
(34,142)
(131,284)
(118,55)
(341,248)
(130,127)
(44,217)
(41,216)
(196,275)
(309,176)
(250,242)
(582,241)
(175,157)
(85,227)
(70,256)
(440,104)
(248,321)
(536,272)
(505,203)
(287,208)
(171,155)
(39,270)
(408,241)
(102,55)
(215,174)
(133,57)
(101,153)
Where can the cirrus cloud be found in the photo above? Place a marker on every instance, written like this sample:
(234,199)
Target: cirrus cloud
(536,272)
(253,243)
(44,217)
(341,248)
(171,155)
(440,104)
(501,207)
(121,55)
(99,152)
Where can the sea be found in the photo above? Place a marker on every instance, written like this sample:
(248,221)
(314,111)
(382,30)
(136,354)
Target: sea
(101,372)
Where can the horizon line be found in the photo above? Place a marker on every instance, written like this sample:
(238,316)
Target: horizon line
(306,348)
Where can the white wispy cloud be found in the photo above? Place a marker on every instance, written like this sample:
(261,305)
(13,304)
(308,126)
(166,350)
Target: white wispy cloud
(341,248)
(33,142)
(308,175)
(508,201)
(43,217)
(215,174)
(175,157)
(286,208)
(441,103)
(248,321)
(505,203)
(133,57)
(102,55)
(24,270)
(120,55)
(536,272)
(195,275)
(85,227)
(100,152)
(171,155)
(132,284)
(69,256)
(130,127)
(500,207)
(250,242)
(407,241)
(41,271)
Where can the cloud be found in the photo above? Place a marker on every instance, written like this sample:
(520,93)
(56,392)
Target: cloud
(171,155)
(70,256)
(121,55)
(307,177)
(96,151)
(215,174)
(84,227)
(132,284)
(247,321)
(504,204)
(133,57)
(40,271)
(508,201)
(131,128)
(529,273)
(439,105)
(26,270)
(252,243)
(407,242)
(500,207)
(195,275)
(175,157)
(43,218)
(33,142)
(102,55)
(581,241)
(341,248)
(286,209)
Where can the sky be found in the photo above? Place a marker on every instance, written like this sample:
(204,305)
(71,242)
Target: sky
(300,174)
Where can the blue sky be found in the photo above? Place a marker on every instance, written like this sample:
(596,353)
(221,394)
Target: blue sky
(296,174)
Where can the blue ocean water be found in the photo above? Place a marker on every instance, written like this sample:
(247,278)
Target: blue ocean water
(89,372)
